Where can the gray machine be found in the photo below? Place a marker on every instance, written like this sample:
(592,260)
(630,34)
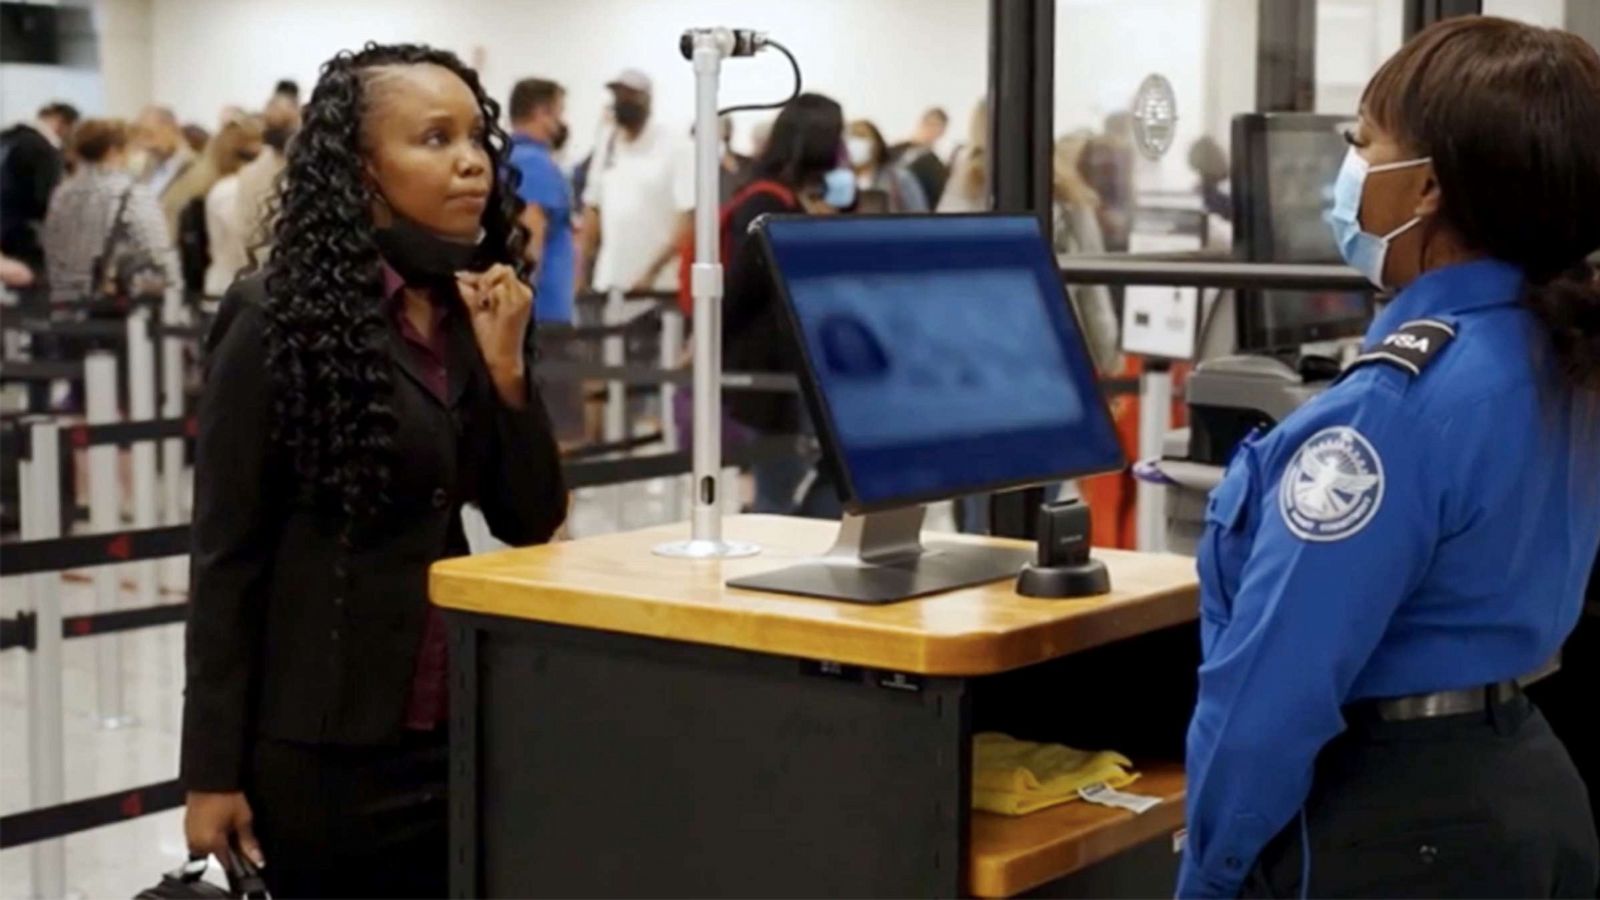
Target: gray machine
(1228,398)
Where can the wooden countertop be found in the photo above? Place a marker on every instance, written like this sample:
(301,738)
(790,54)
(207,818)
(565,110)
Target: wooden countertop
(614,583)
(1009,855)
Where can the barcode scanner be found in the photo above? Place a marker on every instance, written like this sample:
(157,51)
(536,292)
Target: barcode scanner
(1063,569)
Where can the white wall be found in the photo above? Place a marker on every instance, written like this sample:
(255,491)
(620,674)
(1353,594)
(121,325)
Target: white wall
(1354,37)
(1546,13)
(126,54)
(882,59)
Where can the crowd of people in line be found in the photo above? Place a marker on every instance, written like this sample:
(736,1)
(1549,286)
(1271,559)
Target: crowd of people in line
(190,203)
(99,209)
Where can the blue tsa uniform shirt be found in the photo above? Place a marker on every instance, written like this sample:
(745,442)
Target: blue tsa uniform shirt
(1426,524)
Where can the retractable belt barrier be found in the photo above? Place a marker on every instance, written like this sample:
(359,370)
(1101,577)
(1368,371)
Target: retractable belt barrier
(22,630)
(63,819)
(15,441)
(41,370)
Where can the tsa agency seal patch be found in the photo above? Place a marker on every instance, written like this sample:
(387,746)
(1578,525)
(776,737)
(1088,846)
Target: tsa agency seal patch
(1332,487)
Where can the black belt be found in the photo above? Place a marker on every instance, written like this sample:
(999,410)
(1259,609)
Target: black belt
(1453,703)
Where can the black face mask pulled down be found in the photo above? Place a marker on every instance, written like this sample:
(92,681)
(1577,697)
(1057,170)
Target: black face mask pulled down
(630,113)
(559,139)
(420,256)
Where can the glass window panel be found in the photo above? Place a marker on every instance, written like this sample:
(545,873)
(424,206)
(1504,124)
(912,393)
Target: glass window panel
(1354,37)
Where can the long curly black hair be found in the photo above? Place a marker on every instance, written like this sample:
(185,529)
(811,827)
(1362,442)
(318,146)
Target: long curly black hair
(325,322)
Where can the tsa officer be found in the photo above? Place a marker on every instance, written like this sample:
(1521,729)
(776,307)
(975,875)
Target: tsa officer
(1383,569)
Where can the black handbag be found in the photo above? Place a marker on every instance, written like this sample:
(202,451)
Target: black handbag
(187,882)
(125,271)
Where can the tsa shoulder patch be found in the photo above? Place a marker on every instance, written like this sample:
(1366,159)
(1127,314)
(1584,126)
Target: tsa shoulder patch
(1412,346)
(1332,487)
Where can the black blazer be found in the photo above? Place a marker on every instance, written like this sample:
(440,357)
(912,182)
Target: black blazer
(293,635)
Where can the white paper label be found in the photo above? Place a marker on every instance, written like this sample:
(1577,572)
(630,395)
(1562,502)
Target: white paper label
(1106,796)
(1161,321)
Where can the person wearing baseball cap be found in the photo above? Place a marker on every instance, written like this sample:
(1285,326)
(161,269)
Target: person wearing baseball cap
(639,199)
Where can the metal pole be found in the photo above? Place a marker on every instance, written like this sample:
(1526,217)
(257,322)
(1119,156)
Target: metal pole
(671,348)
(172,480)
(710,46)
(105,516)
(613,352)
(1155,417)
(1021,153)
(41,520)
(142,408)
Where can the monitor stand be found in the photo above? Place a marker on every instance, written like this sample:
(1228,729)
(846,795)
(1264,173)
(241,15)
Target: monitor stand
(879,558)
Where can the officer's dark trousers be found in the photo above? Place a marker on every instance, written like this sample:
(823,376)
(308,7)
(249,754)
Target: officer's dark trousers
(352,821)
(1482,805)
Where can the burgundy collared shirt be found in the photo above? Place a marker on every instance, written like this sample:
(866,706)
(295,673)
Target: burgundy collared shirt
(430,697)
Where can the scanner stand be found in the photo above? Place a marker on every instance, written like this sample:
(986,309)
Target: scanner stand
(1064,569)
(879,558)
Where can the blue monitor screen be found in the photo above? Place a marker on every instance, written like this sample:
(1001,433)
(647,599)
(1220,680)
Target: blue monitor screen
(943,353)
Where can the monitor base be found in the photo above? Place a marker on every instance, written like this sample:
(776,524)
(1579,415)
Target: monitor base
(879,558)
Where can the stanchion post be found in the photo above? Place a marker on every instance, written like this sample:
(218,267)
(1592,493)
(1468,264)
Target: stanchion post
(40,498)
(142,408)
(671,351)
(1155,417)
(100,401)
(172,474)
(613,353)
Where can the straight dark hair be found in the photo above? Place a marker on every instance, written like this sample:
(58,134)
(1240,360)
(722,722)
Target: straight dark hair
(804,143)
(1510,114)
(529,94)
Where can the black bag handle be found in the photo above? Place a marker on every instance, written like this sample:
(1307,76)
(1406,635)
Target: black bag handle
(244,879)
(113,235)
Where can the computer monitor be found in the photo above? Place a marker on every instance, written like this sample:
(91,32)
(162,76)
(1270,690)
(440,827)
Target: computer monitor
(1284,165)
(940,357)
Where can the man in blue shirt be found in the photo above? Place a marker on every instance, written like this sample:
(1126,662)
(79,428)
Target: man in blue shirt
(537,107)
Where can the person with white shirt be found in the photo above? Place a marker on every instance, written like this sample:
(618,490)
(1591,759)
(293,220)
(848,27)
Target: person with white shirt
(225,234)
(639,199)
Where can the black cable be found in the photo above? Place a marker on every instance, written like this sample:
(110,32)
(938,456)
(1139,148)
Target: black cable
(750,107)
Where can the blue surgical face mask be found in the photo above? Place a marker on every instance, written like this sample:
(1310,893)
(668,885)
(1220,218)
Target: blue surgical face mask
(839,188)
(1364,251)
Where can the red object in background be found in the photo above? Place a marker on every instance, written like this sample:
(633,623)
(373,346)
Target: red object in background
(1113,498)
(119,547)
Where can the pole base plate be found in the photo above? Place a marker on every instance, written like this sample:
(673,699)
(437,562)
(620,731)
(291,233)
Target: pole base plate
(707,549)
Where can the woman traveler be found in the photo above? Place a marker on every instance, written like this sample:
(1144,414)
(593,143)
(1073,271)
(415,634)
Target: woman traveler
(372,379)
(869,156)
(237,142)
(800,171)
(1382,569)
(104,236)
